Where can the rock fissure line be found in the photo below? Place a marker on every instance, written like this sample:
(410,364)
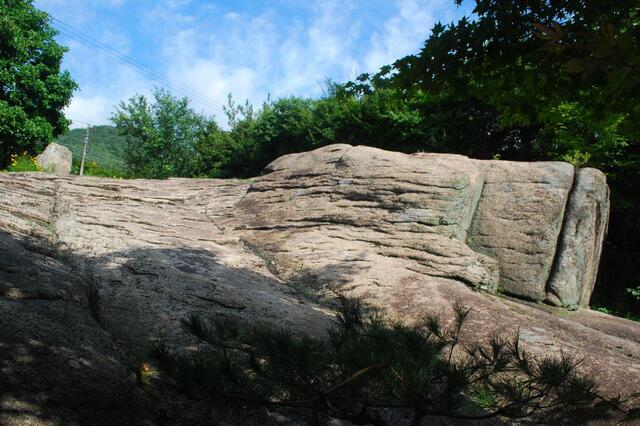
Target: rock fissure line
(578,251)
(549,290)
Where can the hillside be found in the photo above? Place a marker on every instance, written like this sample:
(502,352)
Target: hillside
(105,147)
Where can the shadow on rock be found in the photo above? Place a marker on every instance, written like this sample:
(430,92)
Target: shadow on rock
(75,329)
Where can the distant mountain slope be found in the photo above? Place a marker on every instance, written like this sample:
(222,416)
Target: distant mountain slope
(105,146)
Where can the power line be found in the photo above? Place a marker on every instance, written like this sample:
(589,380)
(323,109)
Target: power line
(129,62)
(168,83)
(86,123)
(137,66)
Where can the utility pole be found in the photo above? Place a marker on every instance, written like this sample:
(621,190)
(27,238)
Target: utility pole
(84,151)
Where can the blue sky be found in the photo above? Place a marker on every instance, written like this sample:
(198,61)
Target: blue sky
(251,49)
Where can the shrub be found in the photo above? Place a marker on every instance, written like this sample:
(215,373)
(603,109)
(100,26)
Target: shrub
(634,292)
(368,364)
(24,163)
(92,168)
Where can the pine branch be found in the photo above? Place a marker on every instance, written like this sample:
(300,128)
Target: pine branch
(395,366)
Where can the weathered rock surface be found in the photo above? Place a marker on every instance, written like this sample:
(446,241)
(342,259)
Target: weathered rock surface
(580,245)
(56,159)
(402,231)
(519,219)
(153,251)
(52,352)
(329,212)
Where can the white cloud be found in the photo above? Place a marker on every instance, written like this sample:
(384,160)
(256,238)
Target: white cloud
(323,50)
(215,51)
(257,56)
(404,33)
(89,109)
(214,81)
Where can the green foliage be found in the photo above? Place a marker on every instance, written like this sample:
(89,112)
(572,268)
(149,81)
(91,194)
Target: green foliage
(618,313)
(33,89)
(92,168)
(282,127)
(367,363)
(383,119)
(233,152)
(162,137)
(509,68)
(23,163)
(635,292)
(106,147)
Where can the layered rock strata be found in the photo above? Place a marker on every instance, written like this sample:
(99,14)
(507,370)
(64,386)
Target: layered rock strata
(92,270)
(502,225)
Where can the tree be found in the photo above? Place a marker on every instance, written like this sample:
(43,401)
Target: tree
(512,65)
(164,138)
(33,89)
(283,127)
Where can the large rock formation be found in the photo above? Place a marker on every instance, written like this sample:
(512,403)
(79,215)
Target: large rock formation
(339,208)
(93,269)
(56,159)
(489,224)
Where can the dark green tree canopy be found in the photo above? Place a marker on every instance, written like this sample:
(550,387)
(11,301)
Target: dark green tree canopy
(165,137)
(161,135)
(33,89)
(555,80)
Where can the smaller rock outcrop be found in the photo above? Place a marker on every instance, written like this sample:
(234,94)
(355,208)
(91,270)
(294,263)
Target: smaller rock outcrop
(532,229)
(56,159)
(580,245)
(518,221)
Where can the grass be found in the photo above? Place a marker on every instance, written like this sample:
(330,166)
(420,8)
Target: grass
(92,168)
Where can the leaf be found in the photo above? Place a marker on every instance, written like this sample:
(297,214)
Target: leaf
(553,34)
(618,82)
(384,70)
(576,65)
(543,31)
